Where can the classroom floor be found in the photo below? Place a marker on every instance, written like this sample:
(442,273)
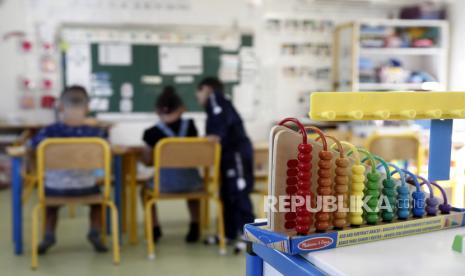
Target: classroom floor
(72,255)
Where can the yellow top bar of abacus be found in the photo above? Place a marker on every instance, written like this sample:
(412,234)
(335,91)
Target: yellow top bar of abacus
(348,106)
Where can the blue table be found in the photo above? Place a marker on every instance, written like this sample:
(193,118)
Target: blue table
(17,190)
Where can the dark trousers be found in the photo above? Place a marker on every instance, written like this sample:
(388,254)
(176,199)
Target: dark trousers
(236,184)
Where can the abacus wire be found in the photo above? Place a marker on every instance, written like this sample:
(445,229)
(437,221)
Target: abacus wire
(298,124)
(353,149)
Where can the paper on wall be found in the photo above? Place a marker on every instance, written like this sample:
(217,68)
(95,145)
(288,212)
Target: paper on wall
(151,80)
(115,54)
(99,104)
(180,60)
(78,65)
(125,105)
(127,90)
(184,79)
(229,68)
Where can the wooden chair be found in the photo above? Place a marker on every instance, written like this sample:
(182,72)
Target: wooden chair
(186,153)
(391,147)
(79,154)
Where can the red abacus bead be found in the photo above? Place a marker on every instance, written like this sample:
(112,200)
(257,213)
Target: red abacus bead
(305,148)
(303,193)
(302,229)
(304,176)
(304,157)
(289,224)
(304,166)
(290,216)
(292,180)
(292,172)
(292,163)
(305,185)
(302,220)
(301,211)
(291,190)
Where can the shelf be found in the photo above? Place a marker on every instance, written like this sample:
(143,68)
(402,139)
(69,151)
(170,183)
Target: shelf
(348,106)
(426,86)
(402,51)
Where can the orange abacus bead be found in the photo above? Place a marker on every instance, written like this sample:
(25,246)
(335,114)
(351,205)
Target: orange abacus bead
(341,188)
(324,188)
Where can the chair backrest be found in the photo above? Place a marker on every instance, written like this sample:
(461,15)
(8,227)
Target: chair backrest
(396,147)
(186,152)
(74,154)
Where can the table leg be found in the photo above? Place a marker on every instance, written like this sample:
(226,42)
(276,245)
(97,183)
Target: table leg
(17,212)
(133,199)
(253,263)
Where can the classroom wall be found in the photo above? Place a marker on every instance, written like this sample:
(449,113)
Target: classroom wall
(259,110)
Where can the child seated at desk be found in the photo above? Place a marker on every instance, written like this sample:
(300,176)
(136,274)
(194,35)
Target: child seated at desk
(169,108)
(73,109)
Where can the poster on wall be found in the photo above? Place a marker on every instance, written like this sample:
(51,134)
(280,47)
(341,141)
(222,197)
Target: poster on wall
(115,54)
(78,65)
(180,60)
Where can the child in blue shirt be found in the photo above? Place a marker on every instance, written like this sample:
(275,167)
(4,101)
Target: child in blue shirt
(169,108)
(73,109)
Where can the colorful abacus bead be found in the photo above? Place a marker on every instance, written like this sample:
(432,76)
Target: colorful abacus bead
(418,208)
(341,189)
(403,204)
(291,190)
(431,206)
(304,218)
(390,193)
(356,195)
(445,208)
(324,188)
(372,193)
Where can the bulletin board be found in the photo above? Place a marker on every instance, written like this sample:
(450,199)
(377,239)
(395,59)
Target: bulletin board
(145,62)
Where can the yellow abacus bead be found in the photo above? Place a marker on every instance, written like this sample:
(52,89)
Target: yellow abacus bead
(356,220)
(358,178)
(358,169)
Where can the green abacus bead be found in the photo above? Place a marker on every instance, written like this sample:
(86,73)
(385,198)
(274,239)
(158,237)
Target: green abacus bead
(387,216)
(372,185)
(373,202)
(389,192)
(373,193)
(372,218)
(389,184)
(374,177)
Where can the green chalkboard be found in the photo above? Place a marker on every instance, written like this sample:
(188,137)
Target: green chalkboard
(145,62)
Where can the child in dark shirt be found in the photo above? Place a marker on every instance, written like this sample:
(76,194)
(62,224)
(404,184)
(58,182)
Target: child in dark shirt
(73,109)
(169,108)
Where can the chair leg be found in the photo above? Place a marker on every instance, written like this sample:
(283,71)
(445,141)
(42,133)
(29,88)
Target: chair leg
(148,228)
(207,214)
(35,235)
(72,210)
(103,222)
(44,221)
(114,232)
(221,227)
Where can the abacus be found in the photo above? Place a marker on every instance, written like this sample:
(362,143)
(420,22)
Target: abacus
(313,168)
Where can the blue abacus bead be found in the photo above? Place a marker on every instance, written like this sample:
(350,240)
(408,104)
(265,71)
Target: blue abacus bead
(418,212)
(402,190)
(445,208)
(403,213)
(431,210)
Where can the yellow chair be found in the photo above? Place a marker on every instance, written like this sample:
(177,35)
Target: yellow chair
(391,147)
(185,153)
(78,154)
